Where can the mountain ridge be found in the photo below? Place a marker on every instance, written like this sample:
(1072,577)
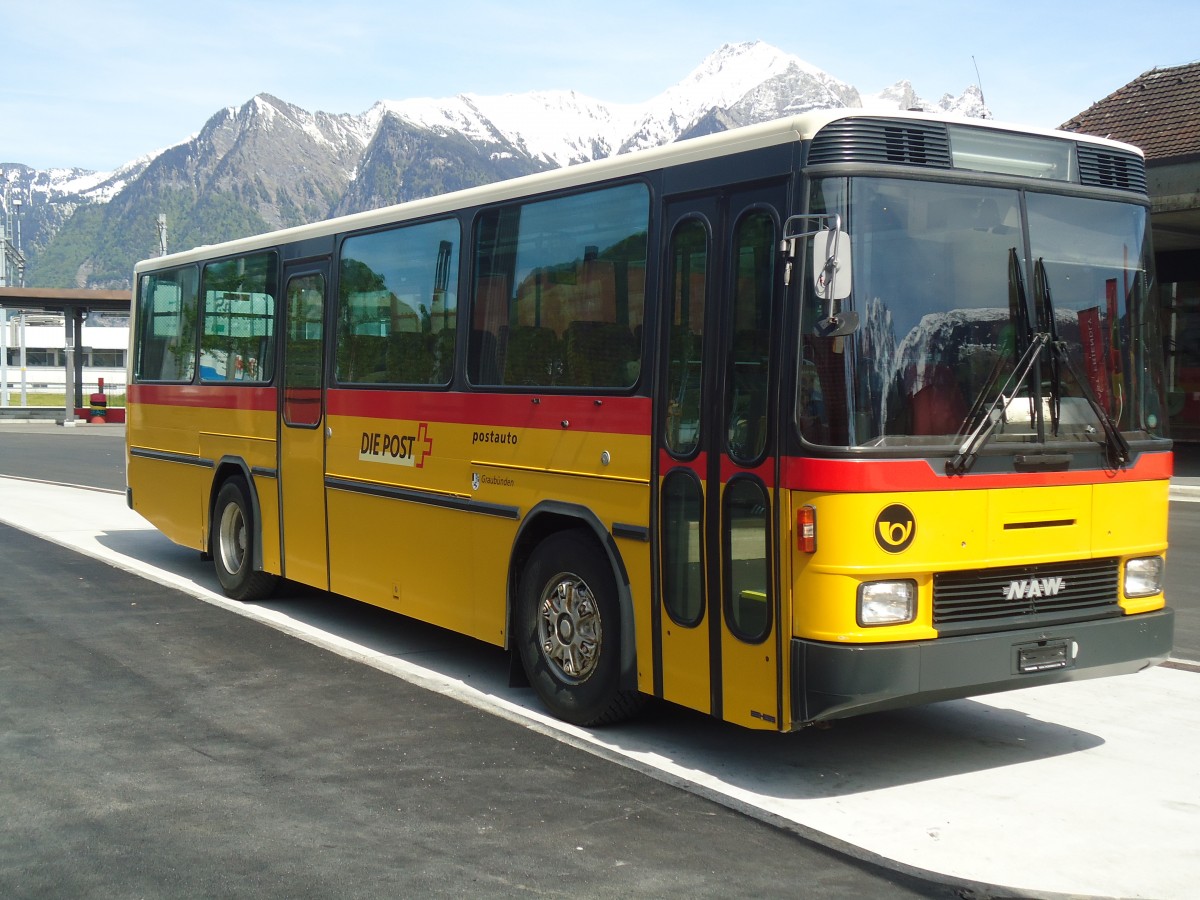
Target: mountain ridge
(269,164)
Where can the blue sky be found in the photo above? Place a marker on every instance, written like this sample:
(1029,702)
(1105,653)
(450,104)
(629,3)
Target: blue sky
(98,84)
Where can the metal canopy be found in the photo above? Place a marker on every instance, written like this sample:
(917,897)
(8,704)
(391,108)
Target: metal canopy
(72,304)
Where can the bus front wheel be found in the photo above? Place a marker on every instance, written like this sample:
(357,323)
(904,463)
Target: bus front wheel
(232,540)
(568,631)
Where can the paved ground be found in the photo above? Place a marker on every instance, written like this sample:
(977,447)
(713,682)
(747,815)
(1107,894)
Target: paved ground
(1088,788)
(156,746)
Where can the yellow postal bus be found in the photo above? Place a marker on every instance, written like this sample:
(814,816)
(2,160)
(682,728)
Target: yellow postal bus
(835,414)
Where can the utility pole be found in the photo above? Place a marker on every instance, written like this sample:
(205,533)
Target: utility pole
(162,234)
(12,261)
(12,272)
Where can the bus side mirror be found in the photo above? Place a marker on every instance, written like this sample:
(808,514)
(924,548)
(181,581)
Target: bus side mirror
(831,264)
(830,267)
(831,281)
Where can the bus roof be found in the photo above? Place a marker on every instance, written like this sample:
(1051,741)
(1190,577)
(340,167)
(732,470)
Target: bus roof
(751,137)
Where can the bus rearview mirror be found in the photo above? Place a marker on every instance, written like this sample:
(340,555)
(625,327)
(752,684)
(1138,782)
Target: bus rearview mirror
(831,264)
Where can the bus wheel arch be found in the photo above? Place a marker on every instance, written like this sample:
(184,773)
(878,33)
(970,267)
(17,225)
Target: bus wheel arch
(564,559)
(235,535)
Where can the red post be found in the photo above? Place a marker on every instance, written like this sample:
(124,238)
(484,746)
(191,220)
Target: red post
(99,405)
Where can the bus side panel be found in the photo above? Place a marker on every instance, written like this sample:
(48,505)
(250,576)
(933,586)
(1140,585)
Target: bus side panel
(170,493)
(396,539)
(404,556)
(194,428)
(636,556)
(614,501)
(268,508)
(425,502)
(172,497)
(487,561)
(254,446)
(610,500)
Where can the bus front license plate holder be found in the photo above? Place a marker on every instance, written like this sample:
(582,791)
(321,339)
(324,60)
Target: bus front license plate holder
(1043,656)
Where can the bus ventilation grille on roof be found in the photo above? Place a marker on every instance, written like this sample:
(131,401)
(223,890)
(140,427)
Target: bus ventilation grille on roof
(1104,167)
(864,140)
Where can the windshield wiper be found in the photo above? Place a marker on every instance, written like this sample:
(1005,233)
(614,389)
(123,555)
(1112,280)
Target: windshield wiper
(1041,290)
(984,417)
(1116,447)
(1018,313)
(1024,344)
(994,412)
(1018,306)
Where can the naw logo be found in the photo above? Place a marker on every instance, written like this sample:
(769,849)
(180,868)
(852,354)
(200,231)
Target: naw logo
(1031,588)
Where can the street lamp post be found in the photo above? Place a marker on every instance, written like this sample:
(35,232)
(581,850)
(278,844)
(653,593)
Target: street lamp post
(12,262)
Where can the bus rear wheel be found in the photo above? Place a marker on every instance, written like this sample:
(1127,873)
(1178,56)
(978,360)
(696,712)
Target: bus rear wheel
(232,540)
(568,632)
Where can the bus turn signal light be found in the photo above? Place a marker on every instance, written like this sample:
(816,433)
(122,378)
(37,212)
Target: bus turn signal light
(806,529)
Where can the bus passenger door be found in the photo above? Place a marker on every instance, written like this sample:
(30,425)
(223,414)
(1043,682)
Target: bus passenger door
(302,520)
(717,618)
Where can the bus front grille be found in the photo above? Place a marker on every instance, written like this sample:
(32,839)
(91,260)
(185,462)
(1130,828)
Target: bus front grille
(1023,596)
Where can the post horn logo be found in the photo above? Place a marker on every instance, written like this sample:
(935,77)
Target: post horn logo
(895,528)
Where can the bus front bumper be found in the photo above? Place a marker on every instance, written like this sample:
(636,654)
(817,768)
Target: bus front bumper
(833,681)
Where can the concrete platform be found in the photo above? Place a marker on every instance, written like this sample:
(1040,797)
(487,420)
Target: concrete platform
(1080,789)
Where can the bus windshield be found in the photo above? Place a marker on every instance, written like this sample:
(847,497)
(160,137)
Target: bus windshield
(953,284)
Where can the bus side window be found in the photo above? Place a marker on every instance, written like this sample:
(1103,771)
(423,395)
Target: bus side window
(166,326)
(238,338)
(398,305)
(560,291)
(685,348)
(749,352)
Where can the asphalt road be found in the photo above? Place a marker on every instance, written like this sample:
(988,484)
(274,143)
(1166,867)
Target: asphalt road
(153,745)
(156,746)
(88,455)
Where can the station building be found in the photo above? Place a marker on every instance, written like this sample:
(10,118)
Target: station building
(1159,111)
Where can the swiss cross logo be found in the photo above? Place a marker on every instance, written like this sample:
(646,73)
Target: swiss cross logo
(424,444)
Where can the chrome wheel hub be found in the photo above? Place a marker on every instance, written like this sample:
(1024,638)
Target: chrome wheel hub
(569,629)
(232,539)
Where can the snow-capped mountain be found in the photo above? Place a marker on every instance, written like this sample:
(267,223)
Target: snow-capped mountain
(269,164)
(754,82)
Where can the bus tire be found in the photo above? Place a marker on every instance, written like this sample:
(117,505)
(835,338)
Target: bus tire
(232,544)
(568,631)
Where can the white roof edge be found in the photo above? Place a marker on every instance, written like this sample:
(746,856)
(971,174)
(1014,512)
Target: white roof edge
(750,137)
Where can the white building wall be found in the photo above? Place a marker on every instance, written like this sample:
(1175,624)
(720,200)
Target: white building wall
(44,333)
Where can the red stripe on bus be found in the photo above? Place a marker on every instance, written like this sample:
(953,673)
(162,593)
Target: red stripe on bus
(205,396)
(884,476)
(698,465)
(615,415)
(765,472)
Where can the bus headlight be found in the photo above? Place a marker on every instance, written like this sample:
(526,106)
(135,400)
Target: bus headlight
(1143,577)
(887,602)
